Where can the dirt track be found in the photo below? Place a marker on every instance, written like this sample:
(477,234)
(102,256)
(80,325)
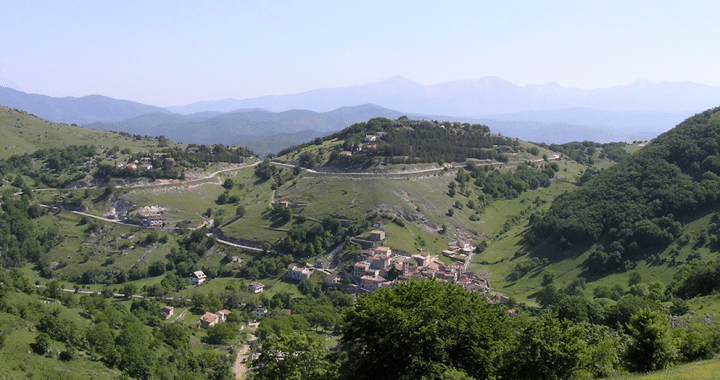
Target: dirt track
(241,361)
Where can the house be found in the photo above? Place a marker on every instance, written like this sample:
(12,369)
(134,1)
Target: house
(296,273)
(146,166)
(222,315)
(197,277)
(331,279)
(260,311)
(466,245)
(208,319)
(371,283)
(378,224)
(370,138)
(377,235)
(387,251)
(154,221)
(370,146)
(255,287)
(379,261)
(345,153)
(168,311)
(193,150)
(284,203)
(361,267)
(131,166)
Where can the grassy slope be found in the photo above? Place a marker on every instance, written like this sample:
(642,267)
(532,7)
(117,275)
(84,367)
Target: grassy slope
(24,133)
(701,370)
(18,361)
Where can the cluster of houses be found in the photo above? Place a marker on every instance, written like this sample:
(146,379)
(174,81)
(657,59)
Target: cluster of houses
(145,163)
(374,266)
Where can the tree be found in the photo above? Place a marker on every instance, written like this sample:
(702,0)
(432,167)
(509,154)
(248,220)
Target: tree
(546,349)
(548,278)
(42,343)
(296,356)
(129,290)
(240,211)
(411,330)
(221,333)
(652,347)
(101,339)
(229,183)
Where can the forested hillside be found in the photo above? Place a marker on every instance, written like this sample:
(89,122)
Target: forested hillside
(635,207)
(412,141)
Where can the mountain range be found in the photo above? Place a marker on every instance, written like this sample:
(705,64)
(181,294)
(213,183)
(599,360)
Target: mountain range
(545,113)
(481,97)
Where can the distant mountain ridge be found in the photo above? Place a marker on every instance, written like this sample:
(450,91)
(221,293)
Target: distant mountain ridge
(71,110)
(259,130)
(541,113)
(265,132)
(481,97)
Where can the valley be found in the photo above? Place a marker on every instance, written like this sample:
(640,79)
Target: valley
(127,239)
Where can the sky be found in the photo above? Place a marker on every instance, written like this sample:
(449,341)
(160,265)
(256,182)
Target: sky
(168,53)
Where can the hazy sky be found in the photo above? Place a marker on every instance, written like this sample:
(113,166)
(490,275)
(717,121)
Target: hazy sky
(175,52)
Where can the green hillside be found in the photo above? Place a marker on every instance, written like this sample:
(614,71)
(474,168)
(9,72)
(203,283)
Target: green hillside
(404,141)
(636,208)
(564,229)
(23,133)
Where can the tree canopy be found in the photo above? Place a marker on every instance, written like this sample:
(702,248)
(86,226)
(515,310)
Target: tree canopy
(421,328)
(634,205)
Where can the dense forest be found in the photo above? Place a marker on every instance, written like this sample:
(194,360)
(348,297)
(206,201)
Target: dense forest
(634,206)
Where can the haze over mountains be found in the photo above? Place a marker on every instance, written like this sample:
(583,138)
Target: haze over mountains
(481,97)
(542,113)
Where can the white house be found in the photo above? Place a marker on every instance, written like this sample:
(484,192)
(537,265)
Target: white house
(197,277)
(255,287)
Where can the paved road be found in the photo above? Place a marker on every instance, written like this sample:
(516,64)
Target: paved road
(450,166)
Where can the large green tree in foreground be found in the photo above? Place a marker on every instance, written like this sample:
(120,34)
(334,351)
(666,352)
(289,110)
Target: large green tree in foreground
(652,347)
(423,329)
